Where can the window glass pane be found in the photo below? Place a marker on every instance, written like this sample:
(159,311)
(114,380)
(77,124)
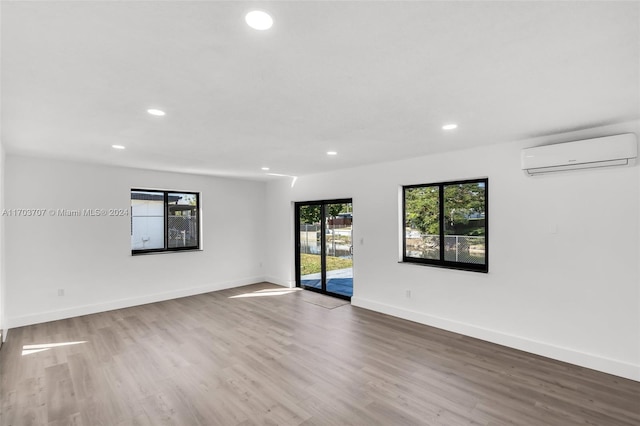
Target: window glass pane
(338,243)
(310,217)
(422,222)
(465,222)
(147,220)
(182,223)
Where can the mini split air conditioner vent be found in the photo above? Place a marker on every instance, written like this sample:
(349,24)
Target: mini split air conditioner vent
(617,150)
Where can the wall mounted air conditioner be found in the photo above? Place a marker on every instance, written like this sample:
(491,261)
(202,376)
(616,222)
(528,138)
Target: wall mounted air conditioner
(617,150)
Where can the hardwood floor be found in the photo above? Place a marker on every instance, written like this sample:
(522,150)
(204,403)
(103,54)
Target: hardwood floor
(225,359)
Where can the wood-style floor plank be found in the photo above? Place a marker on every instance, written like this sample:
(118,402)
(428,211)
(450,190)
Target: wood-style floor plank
(244,357)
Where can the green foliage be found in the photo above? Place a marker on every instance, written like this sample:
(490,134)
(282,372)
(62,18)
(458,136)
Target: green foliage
(335,209)
(422,209)
(191,199)
(311,214)
(461,202)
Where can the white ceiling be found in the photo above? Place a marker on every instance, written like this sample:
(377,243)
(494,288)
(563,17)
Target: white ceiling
(374,81)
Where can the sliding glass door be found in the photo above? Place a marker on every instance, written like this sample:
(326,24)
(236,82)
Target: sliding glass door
(324,246)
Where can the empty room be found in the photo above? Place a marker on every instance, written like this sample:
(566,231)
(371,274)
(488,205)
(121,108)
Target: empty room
(319,213)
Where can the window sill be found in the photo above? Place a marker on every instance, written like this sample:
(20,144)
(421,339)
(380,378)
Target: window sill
(145,253)
(447,266)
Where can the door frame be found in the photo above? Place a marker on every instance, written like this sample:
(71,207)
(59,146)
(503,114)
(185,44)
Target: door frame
(323,249)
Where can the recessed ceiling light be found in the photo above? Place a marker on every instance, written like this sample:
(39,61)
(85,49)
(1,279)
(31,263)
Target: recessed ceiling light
(117,146)
(259,20)
(265,168)
(332,153)
(450,126)
(156,112)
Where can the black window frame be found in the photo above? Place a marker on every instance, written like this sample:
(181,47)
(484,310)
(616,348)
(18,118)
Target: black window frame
(441,262)
(166,248)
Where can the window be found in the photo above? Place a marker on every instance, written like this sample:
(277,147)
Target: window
(446,224)
(164,221)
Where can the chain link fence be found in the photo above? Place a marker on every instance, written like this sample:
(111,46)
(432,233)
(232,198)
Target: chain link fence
(463,248)
(457,248)
(183,231)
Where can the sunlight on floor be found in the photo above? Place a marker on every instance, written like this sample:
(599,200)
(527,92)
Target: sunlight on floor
(32,349)
(268,292)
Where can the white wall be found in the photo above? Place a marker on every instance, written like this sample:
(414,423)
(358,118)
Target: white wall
(563,256)
(564,249)
(90,257)
(3,322)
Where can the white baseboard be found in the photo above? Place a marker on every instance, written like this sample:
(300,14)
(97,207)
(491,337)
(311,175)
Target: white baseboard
(278,281)
(125,303)
(572,356)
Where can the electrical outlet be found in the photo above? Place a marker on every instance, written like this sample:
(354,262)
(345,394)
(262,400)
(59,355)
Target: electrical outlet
(408,294)
(61,292)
